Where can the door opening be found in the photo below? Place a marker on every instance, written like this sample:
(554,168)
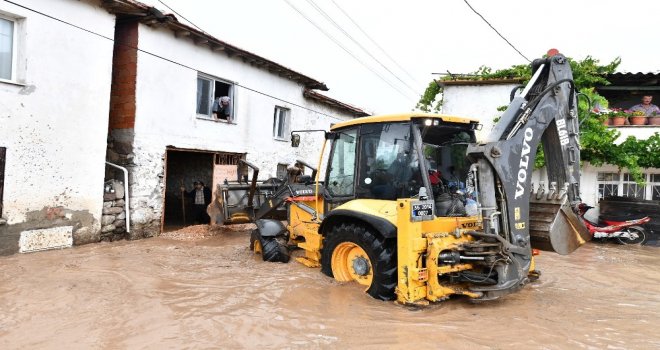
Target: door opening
(183,169)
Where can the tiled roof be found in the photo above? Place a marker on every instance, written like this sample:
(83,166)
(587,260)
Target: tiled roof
(153,17)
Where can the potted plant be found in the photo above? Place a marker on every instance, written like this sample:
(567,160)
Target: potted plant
(606,119)
(654,119)
(618,116)
(637,118)
(602,116)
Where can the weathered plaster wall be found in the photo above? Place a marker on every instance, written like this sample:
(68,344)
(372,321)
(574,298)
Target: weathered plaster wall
(53,119)
(166,95)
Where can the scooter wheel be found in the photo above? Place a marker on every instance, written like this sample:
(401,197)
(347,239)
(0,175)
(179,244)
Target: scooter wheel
(638,236)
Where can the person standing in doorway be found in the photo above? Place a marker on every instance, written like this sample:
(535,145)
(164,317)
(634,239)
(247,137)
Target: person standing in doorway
(201,197)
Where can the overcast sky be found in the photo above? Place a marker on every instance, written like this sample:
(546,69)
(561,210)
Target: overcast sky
(424,37)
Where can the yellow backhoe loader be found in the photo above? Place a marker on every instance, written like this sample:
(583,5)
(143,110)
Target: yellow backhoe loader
(414,209)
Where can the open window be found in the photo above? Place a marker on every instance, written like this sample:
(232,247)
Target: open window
(281,122)
(9,39)
(215,99)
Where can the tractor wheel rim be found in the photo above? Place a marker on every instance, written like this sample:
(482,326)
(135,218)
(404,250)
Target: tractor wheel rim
(257,247)
(346,258)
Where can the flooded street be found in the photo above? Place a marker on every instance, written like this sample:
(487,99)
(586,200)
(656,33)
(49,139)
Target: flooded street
(212,292)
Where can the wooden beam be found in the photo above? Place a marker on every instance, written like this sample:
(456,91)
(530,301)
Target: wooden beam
(200,41)
(181,33)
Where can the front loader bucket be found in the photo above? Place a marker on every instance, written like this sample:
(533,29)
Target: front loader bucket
(553,226)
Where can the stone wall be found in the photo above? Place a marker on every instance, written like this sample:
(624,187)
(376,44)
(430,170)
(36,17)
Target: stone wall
(113,221)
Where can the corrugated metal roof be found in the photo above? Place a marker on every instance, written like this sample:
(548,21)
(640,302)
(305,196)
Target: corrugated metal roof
(153,17)
(639,79)
(637,74)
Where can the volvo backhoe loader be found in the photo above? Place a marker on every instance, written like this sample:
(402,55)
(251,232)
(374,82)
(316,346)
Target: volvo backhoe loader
(414,209)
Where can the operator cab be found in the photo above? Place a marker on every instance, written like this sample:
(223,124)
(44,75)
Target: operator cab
(393,157)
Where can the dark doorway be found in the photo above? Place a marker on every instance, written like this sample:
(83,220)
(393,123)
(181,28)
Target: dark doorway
(184,168)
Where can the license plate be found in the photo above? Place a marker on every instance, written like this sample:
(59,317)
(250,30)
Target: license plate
(421,211)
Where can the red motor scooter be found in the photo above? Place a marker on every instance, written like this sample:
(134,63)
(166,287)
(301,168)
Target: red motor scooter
(625,231)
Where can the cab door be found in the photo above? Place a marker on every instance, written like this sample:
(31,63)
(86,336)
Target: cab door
(340,178)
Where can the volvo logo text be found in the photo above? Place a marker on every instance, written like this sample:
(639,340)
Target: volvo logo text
(524,163)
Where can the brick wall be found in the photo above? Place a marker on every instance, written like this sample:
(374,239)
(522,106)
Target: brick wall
(124,70)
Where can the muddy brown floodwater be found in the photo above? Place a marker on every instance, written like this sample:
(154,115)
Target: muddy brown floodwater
(207,290)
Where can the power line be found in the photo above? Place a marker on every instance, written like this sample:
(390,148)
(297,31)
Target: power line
(498,33)
(347,51)
(374,41)
(180,15)
(165,58)
(329,18)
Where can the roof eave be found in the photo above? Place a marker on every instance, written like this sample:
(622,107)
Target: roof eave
(152,17)
(355,111)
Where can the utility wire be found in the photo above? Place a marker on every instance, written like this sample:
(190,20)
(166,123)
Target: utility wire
(498,33)
(374,42)
(349,36)
(180,15)
(165,58)
(347,51)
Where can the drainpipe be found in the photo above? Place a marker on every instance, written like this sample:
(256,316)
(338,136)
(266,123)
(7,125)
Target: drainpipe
(127,209)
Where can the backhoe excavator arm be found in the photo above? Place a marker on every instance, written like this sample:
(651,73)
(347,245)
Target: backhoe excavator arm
(545,112)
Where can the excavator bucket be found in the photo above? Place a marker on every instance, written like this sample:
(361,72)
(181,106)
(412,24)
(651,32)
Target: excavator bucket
(553,225)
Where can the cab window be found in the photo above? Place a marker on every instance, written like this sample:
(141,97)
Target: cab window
(341,175)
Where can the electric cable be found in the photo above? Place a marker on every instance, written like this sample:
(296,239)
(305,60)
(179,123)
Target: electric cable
(374,42)
(165,58)
(346,50)
(349,36)
(180,15)
(498,33)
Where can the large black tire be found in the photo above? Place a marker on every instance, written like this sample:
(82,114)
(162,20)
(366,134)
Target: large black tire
(273,249)
(382,254)
(642,236)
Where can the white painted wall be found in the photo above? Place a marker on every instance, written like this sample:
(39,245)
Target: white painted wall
(166,116)
(54,122)
(639,132)
(477,101)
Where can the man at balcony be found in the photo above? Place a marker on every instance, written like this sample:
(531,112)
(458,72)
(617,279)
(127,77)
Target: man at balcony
(646,106)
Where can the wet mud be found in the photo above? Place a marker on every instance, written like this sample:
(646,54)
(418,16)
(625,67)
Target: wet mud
(207,290)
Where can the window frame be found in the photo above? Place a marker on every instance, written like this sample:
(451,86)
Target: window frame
(332,198)
(14,48)
(287,122)
(627,183)
(615,183)
(625,180)
(654,186)
(232,95)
